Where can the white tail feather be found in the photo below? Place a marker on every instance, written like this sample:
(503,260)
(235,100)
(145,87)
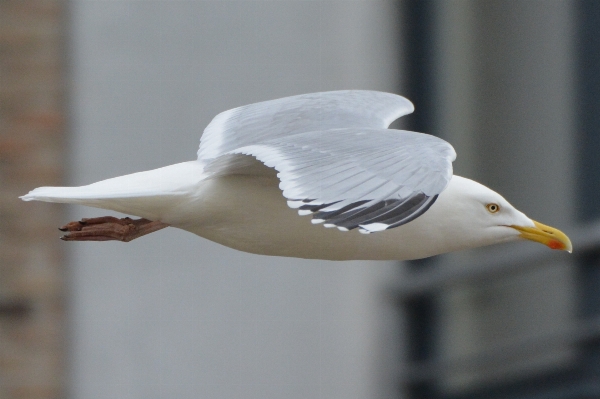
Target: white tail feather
(145,194)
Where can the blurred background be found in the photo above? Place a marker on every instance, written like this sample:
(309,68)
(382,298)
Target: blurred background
(94,89)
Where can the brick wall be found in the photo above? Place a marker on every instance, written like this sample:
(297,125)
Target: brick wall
(32,153)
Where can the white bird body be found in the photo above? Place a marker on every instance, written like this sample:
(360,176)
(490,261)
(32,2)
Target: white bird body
(396,185)
(244,223)
(231,211)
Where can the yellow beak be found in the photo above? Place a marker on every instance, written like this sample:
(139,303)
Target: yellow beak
(546,235)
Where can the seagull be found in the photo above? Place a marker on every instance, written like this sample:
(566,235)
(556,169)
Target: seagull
(316,176)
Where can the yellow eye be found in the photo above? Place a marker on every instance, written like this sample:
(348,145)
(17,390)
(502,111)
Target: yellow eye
(493,208)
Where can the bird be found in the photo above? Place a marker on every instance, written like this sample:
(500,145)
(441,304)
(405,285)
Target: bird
(315,176)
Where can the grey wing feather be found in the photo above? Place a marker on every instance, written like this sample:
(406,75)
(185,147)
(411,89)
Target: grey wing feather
(373,179)
(256,123)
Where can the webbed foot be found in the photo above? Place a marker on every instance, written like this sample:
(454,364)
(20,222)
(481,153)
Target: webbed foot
(109,228)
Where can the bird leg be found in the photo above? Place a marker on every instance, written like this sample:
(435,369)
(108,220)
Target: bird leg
(108,228)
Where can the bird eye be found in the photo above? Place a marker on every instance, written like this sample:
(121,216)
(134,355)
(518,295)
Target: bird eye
(493,208)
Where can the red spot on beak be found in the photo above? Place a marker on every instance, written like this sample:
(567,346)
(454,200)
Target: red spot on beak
(556,244)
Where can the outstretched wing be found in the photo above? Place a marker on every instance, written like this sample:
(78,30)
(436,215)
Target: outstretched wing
(256,123)
(373,179)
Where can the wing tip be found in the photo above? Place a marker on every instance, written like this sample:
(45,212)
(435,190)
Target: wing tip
(373,227)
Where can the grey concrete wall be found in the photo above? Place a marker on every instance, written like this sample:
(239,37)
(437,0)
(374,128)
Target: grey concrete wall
(172,315)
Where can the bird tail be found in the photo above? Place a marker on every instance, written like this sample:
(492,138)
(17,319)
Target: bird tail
(146,194)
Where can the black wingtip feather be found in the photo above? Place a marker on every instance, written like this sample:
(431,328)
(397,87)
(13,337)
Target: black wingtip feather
(394,212)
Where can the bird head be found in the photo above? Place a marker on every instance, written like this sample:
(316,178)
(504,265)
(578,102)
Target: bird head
(492,219)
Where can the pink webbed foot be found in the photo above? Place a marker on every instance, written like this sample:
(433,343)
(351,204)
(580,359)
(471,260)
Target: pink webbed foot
(109,228)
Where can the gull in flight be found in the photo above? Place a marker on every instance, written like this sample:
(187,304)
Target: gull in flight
(304,176)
